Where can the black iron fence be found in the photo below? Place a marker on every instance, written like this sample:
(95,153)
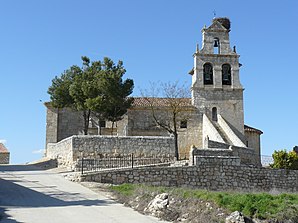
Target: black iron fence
(266,160)
(128,161)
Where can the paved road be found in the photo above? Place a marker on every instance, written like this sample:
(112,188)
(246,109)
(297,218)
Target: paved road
(29,195)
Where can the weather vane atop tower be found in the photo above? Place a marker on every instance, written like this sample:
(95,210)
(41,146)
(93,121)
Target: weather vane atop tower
(214,13)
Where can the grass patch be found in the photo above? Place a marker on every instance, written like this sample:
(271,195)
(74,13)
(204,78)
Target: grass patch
(125,189)
(259,205)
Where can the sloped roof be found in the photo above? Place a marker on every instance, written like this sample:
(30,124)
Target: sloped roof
(3,149)
(217,26)
(159,102)
(251,129)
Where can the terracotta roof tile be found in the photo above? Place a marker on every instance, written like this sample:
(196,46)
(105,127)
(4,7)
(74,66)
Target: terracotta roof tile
(3,149)
(251,129)
(159,102)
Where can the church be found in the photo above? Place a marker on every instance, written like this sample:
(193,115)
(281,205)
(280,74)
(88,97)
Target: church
(215,115)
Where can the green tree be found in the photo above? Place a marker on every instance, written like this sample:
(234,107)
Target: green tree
(59,90)
(285,160)
(82,89)
(113,101)
(96,87)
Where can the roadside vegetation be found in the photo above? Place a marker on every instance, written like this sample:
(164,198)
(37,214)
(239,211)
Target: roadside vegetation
(214,206)
(285,160)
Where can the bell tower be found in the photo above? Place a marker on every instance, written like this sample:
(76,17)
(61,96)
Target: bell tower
(216,88)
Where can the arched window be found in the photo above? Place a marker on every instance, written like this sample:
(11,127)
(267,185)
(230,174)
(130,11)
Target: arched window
(208,73)
(214,114)
(226,74)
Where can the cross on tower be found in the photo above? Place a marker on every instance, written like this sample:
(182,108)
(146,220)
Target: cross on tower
(214,13)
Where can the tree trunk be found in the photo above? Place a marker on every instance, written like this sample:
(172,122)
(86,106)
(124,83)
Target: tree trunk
(112,128)
(99,127)
(86,116)
(176,146)
(175,136)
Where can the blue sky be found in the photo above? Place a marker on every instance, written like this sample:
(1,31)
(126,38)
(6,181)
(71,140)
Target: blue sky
(156,40)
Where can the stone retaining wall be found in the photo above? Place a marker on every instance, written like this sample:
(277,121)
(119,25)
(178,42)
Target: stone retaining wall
(210,177)
(69,150)
(62,151)
(215,160)
(247,155)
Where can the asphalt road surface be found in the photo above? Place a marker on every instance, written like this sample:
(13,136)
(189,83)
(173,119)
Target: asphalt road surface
(29,195)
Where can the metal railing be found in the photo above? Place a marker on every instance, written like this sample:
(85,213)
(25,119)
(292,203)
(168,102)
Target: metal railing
(266,160)
(128,161)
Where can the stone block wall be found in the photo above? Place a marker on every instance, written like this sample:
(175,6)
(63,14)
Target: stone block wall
(229,105)
(4,158)
(247,156)
(70,123)
(214,144)
(4,154)
(52,124)
(141,123)
(69,150)
(252,139)
(62,123)
(217,160)
(62,151)
(212,152)
(211,177)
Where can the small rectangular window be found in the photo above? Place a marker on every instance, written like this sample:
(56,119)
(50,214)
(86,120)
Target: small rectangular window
(183,124)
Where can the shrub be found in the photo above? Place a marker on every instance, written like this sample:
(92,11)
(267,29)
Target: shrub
(285,160)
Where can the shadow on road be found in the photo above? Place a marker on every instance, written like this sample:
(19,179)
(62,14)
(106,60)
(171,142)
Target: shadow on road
(6,218)
(13,194)
(19,191)
(43,165)
(20,167)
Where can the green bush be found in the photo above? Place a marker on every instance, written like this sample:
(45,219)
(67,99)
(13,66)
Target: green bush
(285,160)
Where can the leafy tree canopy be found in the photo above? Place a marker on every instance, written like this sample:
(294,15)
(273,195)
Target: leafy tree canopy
(285,160)
(96,87)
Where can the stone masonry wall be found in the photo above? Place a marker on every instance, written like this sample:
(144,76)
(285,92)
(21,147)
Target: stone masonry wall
(51,125)
(216,160)
(141,123)
(73,148)
(62,151)
(247,155)
(4,158)
(211,177)
(105,146)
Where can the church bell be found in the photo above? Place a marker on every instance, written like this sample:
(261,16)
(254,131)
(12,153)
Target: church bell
(215,43)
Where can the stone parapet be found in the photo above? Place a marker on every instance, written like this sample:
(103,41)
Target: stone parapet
(213,176)
(246,155)
(62,152)
(70,150)
(217,160)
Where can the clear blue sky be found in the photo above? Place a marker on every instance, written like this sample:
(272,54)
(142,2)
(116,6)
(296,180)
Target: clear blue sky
(156,40)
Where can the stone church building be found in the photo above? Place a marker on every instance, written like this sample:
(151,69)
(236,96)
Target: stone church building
(215,116)
(4,154)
